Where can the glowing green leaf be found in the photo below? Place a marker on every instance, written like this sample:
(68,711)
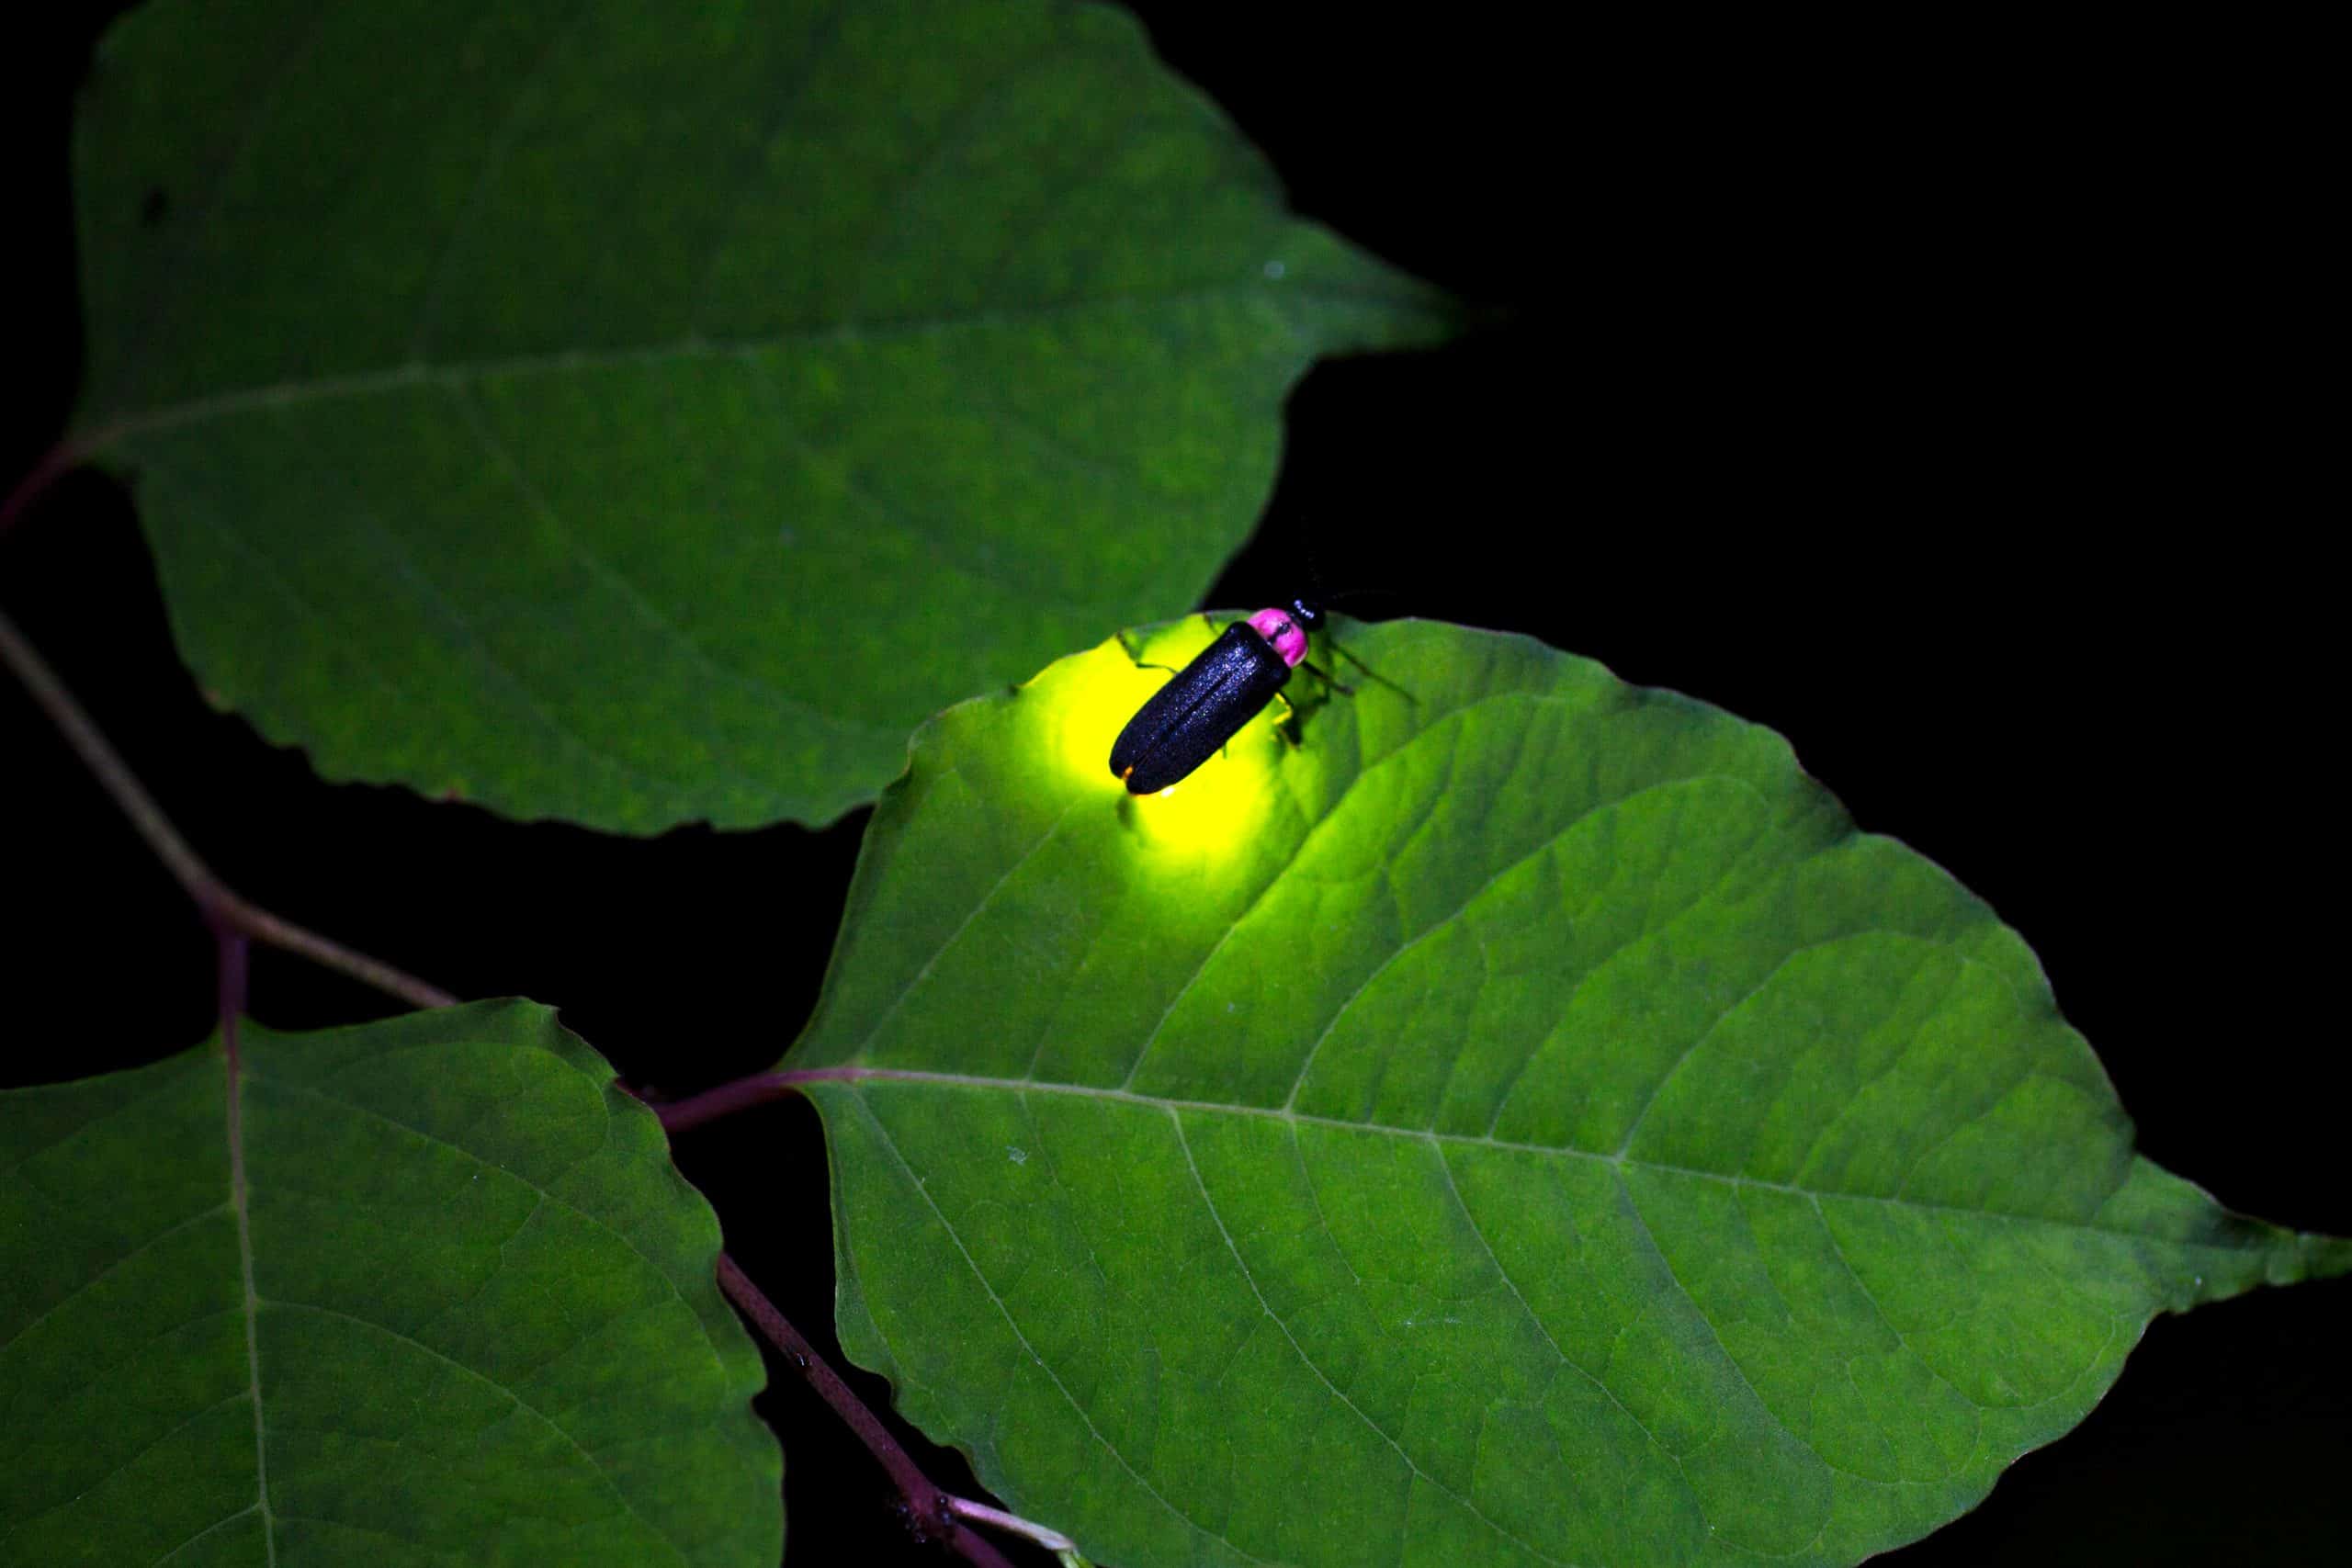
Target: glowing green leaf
(432,1293)
(638,413)
(1526,1124)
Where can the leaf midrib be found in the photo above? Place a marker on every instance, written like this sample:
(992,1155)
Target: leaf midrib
(250,1298)
(238,1073)
(855,1077)
(102,431)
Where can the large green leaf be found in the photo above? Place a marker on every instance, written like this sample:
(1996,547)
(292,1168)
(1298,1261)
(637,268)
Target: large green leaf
(1526,1124)
(432,1293)
(637,413)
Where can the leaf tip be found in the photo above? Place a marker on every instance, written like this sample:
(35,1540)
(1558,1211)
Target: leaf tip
(2323,1256)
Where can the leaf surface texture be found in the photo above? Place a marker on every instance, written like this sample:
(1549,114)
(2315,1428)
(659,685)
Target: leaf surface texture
(640,414)
(1525,1123)
(433,1294)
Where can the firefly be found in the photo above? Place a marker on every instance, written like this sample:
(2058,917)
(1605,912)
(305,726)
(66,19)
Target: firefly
(1208,701)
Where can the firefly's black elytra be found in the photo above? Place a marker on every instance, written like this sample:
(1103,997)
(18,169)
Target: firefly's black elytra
(1207,701)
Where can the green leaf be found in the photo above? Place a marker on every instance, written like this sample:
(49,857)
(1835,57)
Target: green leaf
(637,413)
(426,1292)
(1526,1124)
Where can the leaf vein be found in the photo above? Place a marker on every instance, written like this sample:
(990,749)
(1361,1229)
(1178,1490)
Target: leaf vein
(944,544)
(981,1276)
(549,1422)
(1308,1362)
(493,158)
(653,616)
(1649,1238)
(1477,1231)
(868,1074)
(361,384)
(99,1278)
(492,1168)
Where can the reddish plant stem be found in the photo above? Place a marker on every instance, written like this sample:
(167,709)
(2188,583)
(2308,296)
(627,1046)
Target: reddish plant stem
(53,463)
(235,923)
(759,1089)
(930,1513)
(220,904)
(231,954)
(739,1094)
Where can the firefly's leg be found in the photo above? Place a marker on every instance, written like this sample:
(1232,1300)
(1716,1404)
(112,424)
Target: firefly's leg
(1374,676)
(1328,679)
(1283,727)
(1139,661)
(1287,725)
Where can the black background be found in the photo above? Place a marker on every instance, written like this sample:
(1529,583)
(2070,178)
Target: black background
(1937,400)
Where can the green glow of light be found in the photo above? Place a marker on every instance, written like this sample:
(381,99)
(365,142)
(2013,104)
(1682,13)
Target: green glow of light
(1080,706)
